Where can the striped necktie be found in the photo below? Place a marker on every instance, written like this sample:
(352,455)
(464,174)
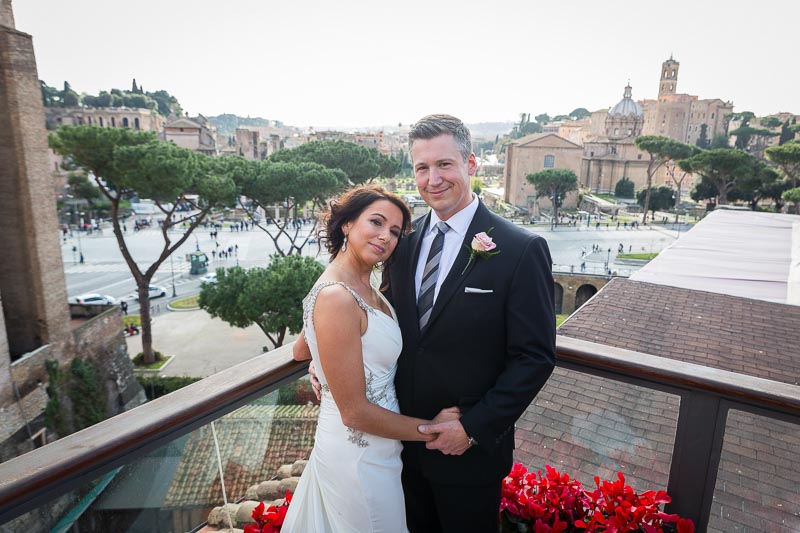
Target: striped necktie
(429,276)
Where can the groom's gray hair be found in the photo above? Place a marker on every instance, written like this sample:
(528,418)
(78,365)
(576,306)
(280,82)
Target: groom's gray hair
(434,125)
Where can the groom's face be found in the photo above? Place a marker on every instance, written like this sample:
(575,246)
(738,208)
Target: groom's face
(443,177)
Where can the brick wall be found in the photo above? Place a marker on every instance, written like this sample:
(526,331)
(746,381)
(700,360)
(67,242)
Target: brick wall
(31,275)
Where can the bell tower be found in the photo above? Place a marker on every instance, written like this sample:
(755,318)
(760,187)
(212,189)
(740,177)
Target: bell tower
(668,86)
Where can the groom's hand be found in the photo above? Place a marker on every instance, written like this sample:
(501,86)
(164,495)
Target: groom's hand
(452,439)
(449,413)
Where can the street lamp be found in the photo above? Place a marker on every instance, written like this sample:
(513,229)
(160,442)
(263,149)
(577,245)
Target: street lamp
(172,273)
(80,227)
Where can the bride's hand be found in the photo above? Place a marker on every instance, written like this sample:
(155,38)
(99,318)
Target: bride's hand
(449,413)
(315,384)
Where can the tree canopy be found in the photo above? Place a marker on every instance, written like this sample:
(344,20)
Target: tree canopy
(579,113)
(125,162)
(661,150)
(624,188)
(360,164)
(525,127)
(271,297)
(554,183)
(793,195)
(289,183)
(787,158)
(136,98)
(661,198)
(720,167)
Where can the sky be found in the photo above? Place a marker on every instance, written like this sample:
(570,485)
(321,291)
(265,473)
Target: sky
(353,63)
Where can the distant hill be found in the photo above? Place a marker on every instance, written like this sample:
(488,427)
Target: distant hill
(226,124)
(489,130)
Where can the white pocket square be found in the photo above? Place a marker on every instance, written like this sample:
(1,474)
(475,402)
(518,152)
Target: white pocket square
(473,290)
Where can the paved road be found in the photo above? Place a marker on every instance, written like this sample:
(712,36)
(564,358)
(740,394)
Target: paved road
(105,271)
(203,345)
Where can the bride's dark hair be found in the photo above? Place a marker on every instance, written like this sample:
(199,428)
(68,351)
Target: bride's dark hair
(349,207)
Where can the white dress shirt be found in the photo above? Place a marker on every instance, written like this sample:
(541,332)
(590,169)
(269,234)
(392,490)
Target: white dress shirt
(459,224)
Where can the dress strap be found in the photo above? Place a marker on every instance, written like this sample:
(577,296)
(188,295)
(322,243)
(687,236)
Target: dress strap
(311,299)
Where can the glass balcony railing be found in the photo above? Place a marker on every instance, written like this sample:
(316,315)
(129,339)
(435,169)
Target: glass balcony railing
(722,444)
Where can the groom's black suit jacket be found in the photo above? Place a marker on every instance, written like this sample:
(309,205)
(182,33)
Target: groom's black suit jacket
(488,353)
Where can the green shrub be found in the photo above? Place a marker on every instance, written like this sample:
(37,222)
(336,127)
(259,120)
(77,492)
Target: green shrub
(157,386)
(624,188)
(297,392)
(76,400)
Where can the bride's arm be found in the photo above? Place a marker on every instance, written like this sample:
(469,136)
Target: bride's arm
(338,328)
(300,350)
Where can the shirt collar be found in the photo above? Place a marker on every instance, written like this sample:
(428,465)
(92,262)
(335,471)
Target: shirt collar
(460,221)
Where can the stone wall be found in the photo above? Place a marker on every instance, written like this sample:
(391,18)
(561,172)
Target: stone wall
(571,284)
(100,340)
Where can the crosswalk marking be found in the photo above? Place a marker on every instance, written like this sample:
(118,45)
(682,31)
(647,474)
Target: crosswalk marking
(89,268)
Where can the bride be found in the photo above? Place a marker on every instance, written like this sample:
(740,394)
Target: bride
(352,480)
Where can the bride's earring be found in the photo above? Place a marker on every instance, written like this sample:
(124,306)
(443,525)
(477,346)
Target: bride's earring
(344,244)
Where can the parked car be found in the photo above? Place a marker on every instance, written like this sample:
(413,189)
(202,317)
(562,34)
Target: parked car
(95,299)
(413,200)
(155,291)
(210,278)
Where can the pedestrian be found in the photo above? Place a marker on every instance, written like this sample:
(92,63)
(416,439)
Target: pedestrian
(81,257)
(583,266)
(124,306)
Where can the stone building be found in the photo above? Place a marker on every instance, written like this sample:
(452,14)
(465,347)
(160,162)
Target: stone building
(533,153)
(682,116)
(604,146)
(105,117)
(195,133)
(35,320)
(256,143)
(611,154)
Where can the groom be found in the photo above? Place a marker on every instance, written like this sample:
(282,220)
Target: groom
(478,332)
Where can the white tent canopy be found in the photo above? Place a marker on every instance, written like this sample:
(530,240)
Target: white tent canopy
(739,253)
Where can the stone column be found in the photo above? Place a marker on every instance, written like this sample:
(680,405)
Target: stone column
(6,14)
(34,295)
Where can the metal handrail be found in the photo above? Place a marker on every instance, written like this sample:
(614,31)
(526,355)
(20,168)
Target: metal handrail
(31,480)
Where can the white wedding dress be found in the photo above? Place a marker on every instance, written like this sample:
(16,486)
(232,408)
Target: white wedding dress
(352,480)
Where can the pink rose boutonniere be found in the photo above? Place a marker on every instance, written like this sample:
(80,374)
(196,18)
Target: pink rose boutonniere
(482,246)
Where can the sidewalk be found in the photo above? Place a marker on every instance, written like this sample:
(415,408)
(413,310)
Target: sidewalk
(202,345)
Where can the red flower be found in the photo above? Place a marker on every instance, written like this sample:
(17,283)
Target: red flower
(271,519)
(555,503)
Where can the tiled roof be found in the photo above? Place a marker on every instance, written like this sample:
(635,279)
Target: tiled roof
(254,442)
(732,333)
(586,425)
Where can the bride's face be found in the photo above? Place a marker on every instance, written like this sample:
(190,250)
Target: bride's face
(376,231)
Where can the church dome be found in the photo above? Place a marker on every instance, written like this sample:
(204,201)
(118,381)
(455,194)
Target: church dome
(627,107)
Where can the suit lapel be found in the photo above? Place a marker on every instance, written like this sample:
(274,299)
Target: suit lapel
(455,279)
